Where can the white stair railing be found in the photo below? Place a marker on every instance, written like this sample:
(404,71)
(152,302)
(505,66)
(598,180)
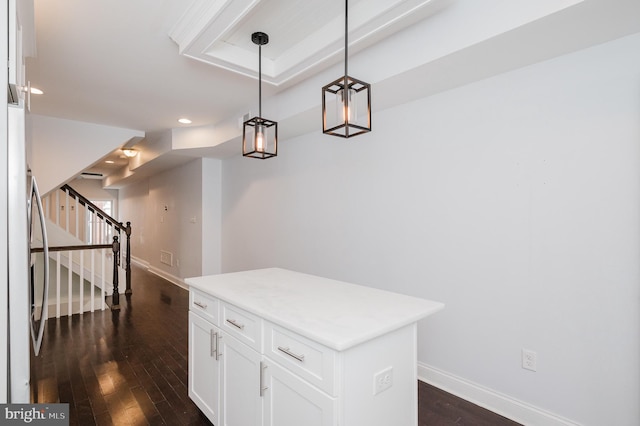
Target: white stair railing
(89,261)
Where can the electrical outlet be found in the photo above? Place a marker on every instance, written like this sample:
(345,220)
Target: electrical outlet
(382,380)
(529,360)
(166,258)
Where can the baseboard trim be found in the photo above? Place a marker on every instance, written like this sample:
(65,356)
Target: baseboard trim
(501,404)
(140,262)
(171,278)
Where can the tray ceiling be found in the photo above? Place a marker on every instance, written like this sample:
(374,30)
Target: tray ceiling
(302,40)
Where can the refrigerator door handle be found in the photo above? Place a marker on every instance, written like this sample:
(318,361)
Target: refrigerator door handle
(37,337)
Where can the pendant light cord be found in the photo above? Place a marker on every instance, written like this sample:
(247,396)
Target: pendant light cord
(260,80)
(346,37)
(346,55)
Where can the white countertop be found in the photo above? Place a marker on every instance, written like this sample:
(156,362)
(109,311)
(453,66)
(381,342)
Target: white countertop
(334,313)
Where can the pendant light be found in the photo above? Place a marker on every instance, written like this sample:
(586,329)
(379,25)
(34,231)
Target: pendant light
(346,102)
(259,135)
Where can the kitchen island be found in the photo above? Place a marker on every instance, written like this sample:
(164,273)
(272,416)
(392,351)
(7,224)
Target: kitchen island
(275,347)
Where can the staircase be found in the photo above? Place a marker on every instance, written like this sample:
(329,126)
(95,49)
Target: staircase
(88,258)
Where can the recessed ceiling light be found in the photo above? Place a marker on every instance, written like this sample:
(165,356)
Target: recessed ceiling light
(36,91)
(109,161)
(129,152)
(184,121)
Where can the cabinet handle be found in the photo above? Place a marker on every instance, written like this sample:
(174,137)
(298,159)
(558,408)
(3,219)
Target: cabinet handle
(202,305)
(218,354)
(291,354)
(262,387)
(214,348)
(235,324)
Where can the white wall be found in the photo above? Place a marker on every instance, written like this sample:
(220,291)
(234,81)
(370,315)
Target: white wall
(175,197)
(514,200)
(189,228)
(211,216)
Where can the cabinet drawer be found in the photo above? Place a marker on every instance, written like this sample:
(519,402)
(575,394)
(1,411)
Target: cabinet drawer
(241,324)
(203,304)
(310,360)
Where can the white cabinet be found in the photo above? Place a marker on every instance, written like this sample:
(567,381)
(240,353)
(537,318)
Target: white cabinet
(224,375)
(234,384)
(224,372)
(204,371)
(240,383)
(279,348)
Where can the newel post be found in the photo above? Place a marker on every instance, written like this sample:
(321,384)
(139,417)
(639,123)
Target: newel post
(128,259)
(115,299)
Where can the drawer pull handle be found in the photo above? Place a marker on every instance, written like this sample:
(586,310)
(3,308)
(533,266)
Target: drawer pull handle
(200,304)
(218,353)
(262,386)
(291,354)
(235,324)
(214,344)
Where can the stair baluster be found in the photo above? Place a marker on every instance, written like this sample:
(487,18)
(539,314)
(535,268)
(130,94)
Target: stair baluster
(115,299)
(128,259)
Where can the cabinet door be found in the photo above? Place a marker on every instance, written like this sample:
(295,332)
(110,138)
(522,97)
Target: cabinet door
(291,401)
(240,392)
(204,370)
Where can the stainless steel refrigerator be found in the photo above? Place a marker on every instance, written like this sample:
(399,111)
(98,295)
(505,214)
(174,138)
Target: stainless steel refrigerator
(18,306)
(18,259)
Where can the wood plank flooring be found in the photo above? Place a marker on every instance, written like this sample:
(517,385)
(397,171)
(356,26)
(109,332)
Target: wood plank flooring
(130,367)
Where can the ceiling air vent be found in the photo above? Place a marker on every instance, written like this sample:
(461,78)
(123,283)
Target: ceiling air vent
(88,175)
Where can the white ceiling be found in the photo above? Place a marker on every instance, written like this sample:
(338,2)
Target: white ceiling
(124,63)
(131,63)
(112,62)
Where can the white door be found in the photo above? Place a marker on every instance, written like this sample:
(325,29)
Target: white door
(241,401)
(291,401)
(204,369)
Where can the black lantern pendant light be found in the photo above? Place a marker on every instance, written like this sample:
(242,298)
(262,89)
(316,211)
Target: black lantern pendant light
(259,135)
(346,102)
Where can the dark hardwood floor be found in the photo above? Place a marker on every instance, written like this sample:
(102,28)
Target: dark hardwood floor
(130,367)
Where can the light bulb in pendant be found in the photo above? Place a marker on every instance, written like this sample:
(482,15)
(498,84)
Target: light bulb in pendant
(261,138)
(347,109)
